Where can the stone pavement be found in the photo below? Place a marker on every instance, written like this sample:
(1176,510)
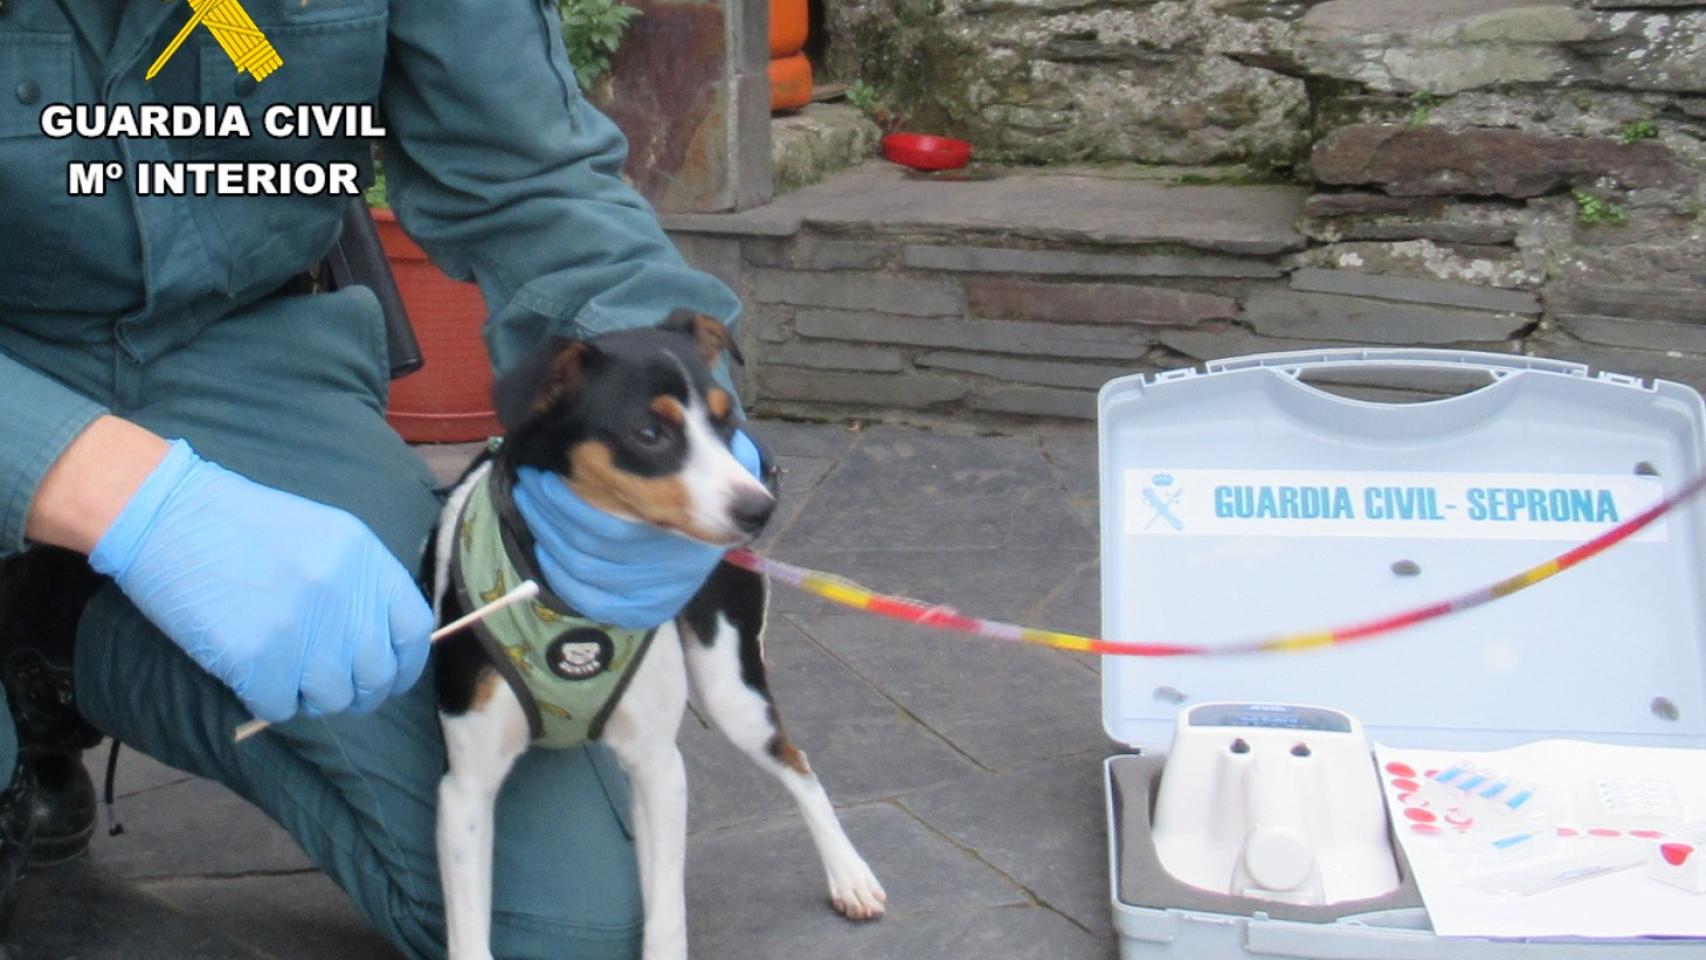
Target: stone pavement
(967,772)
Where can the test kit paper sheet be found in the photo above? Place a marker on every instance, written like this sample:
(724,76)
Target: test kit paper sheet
(1550,839)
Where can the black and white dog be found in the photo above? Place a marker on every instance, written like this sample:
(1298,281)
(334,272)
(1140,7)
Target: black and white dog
(634,424)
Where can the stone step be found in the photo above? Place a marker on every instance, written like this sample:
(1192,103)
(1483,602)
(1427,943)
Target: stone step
(821,139)
(1060,207)
(1000,301)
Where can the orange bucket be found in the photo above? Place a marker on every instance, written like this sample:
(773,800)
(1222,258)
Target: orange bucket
(790,82)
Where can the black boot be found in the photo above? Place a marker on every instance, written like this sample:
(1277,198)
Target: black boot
(42,596)
(17,826)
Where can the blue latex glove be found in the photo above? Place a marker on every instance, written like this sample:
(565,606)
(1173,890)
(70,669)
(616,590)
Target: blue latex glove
(615,571)
(292,604)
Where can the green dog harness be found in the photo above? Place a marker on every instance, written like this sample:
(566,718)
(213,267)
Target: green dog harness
(567,671)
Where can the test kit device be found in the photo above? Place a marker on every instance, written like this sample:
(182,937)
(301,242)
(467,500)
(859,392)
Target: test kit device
(1254,497)
(1275,802)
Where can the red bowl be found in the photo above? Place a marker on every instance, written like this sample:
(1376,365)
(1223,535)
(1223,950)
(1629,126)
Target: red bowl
(922,151)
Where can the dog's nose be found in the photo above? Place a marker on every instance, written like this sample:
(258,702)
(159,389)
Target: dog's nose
(751,511)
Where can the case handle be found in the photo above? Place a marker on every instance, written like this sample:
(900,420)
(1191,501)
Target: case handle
(1495,365)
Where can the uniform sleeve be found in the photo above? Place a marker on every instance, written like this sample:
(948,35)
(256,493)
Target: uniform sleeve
(506,176)
(41,417)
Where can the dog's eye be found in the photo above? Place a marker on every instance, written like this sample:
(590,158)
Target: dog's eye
(648,435)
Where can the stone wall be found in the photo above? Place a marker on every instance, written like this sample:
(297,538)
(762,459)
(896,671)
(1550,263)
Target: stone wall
(1215,81)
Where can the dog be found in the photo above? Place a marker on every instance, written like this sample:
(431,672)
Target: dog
(634,424)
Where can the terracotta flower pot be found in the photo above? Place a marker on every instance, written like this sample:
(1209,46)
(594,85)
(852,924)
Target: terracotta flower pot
(449,399)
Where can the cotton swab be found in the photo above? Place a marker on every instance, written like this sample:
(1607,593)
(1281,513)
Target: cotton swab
(526,591)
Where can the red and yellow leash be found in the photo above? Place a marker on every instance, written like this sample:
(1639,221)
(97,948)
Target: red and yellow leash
(849,594)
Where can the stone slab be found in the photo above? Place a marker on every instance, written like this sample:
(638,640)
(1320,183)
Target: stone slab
(969,691)
(761,222)
(137,772)
(880,292)
(79,911)
(718,256)
(1008,299)
(751,183)
(192,828)
(1043,825)
(1329,316)
(900,491)
(773,863)
(750,20)
(1046,373)
(294,916)
(1035,402)
(1397,16)
(757,893)
(1436,292)
(1006,260)
(673,98)
(862,746)
(1657,335)
(1221,341)
(1433,161)
(824,355)
(1643,302)
(880,196)
(814,252)
(915,391)
(769,323)
(815,440)
(1688,368)
(993,336)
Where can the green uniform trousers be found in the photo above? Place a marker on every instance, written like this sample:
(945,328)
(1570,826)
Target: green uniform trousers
(291,393)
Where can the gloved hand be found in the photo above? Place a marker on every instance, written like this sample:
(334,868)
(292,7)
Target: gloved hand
(615,571)
(293,604)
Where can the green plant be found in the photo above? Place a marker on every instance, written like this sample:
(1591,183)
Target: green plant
(1591,210)
(1422,105)
(375,195)
(592,31)
(862,95)
(1637,130)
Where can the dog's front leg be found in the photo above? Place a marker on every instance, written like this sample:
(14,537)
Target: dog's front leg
(641,733)
(481,746)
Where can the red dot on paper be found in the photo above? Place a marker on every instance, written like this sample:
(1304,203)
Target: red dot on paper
(1409,800)
(1426,829)
(1429,773)
(1675,854)
(1647,834)
(1458,820)
(1400,769)
(1408,786)
(1568,832)
(1604,832)
(1419,815)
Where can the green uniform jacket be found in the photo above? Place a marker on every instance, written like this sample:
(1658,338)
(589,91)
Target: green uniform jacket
(495,164)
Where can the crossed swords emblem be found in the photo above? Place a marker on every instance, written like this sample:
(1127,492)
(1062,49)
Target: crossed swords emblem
(1163,506)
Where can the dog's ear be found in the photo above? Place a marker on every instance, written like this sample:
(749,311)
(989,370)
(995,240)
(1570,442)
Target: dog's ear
(543,377)
(711,337)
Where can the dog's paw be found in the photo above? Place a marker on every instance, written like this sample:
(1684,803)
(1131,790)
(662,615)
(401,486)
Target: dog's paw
(855,892)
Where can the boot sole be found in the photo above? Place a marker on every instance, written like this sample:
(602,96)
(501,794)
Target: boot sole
(53,851)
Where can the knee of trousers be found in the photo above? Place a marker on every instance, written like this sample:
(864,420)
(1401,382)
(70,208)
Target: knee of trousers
(8,742)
